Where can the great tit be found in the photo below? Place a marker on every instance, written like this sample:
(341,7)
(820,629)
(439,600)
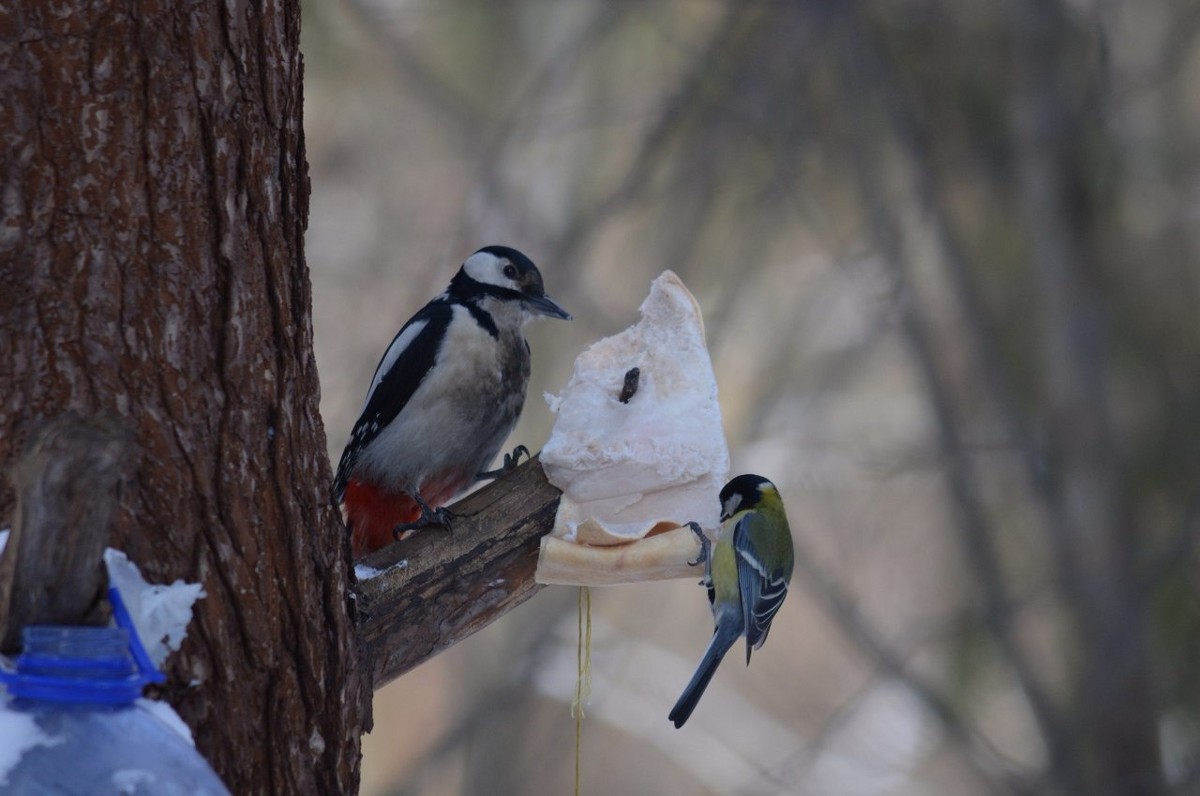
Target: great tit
(747,575)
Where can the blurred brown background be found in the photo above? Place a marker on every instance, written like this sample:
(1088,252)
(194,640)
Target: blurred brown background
(946,253)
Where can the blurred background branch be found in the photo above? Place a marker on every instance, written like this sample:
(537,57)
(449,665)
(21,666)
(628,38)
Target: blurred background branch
(947,254)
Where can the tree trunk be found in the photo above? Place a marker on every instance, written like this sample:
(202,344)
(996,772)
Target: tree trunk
(151,264)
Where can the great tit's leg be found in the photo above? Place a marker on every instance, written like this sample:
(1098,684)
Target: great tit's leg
(705,545)
(510,463)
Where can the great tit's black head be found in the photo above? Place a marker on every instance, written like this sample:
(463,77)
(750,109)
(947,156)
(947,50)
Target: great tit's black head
(743,492)
(506,274)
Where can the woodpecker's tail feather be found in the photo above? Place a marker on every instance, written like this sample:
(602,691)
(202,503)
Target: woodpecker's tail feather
(720,644)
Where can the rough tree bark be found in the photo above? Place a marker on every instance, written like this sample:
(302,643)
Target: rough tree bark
(151,264)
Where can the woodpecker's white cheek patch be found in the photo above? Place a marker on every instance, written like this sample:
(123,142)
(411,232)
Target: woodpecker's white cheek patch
(487,269)
(640,467)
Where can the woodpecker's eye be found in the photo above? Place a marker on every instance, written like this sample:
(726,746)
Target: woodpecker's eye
(510,271)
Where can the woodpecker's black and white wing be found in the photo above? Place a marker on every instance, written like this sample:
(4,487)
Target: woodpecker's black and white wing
(408,360)
(762,591)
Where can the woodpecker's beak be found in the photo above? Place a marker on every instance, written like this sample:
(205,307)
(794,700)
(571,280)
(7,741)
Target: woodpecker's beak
(544,305)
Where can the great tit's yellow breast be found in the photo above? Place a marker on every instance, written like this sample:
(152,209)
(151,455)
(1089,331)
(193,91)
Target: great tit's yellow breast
(724,565)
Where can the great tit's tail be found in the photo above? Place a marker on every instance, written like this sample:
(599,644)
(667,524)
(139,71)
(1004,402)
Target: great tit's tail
(720,644)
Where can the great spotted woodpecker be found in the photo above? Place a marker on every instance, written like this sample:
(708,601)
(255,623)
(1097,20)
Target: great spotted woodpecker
(445,396)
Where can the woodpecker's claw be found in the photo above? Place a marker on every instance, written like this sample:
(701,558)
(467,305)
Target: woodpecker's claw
(704,544)
(511,460)
(429,516)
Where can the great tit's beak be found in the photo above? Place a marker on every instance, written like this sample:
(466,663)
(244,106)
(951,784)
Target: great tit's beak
(544,305)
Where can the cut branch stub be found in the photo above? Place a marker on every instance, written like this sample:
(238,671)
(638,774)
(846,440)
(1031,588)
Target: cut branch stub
(437,587)
(51,571)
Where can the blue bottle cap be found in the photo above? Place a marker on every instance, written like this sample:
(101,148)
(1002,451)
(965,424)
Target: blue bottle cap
(83,665)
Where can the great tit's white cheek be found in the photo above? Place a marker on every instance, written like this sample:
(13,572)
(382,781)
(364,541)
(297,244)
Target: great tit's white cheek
(731,505)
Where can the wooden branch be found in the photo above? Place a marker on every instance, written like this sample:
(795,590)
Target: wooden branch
(51,571)
(437,587)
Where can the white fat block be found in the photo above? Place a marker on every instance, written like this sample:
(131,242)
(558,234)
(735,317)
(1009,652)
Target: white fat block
(648,464)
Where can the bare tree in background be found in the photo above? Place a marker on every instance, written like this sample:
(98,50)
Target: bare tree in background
(1058,348)
(151,264)
(1007,193)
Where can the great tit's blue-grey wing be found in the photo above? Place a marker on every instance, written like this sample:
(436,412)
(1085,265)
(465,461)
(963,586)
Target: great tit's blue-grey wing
(762,591)
(410,356)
